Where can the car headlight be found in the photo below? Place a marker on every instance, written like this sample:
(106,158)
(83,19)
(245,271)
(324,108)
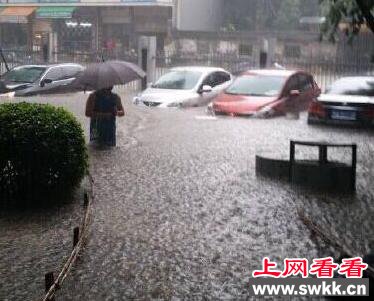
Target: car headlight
(21,87)
(210,109)
(9,94)
(174,105)
(264,112)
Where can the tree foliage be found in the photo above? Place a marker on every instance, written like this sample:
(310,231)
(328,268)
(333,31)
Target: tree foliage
(354,13)
(289,15)
(247,15)
(42,152)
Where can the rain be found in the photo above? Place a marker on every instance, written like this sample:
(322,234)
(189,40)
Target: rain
(178,207)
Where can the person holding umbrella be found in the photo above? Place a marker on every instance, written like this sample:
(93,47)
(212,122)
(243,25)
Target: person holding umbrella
(103,106)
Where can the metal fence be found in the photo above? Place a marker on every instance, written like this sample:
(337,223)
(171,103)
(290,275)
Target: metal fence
(326,73)
(324,70)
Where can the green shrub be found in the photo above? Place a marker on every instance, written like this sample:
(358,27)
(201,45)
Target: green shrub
(42,152)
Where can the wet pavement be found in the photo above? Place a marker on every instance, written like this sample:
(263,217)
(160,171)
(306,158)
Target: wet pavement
(180,215)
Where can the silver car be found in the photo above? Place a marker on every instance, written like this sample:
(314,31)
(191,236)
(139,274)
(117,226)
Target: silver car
(30,80)
(185,87)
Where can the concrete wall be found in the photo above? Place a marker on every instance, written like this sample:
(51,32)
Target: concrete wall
(198,15)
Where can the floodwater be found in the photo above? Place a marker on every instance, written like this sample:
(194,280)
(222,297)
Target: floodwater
(180,215)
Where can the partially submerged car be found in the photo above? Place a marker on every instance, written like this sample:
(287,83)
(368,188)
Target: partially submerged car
(267,93)
(349,101)
(30,80)
(185,87)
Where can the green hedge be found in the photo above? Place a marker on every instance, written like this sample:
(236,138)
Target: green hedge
(42,152)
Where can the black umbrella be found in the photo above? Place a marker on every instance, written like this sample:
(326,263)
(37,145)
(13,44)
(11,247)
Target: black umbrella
(107,74)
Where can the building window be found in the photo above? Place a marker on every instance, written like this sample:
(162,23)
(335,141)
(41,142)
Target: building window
(74,36)
(292,51)
(245,49)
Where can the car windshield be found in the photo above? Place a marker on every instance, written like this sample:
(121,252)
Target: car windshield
(257,85)
(178,80)
(24,74)
(353,86)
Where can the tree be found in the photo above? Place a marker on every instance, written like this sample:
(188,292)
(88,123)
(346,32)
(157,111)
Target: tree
(355,13)
(246,15)
(289,14)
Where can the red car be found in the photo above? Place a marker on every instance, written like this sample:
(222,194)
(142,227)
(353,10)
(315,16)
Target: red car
(267,93)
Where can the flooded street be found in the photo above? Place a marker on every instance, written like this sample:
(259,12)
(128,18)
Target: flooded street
(180,215)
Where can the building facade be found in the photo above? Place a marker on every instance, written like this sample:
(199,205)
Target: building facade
(82,26)
(198,15)
(181,27)
(201,27)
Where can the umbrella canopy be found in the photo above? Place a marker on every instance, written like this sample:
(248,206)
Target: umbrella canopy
(107,74)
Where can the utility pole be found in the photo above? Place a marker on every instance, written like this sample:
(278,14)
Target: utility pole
(3,58)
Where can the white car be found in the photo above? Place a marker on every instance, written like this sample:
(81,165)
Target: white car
(185,87)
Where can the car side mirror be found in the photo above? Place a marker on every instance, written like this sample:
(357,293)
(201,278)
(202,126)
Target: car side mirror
(45,81)
(294,93)
(205,89)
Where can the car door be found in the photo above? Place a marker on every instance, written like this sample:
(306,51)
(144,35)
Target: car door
(222,80)
(288,102)
(306,87)
(56,77)
(217,81)
(206,97)
(70,72)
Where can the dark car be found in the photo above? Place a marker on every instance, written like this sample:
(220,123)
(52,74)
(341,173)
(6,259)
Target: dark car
(349,101)
(30,80)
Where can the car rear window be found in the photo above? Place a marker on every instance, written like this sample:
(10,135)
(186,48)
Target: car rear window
(353,86)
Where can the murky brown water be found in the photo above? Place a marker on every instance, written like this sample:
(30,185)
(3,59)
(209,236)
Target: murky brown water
(180,214)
